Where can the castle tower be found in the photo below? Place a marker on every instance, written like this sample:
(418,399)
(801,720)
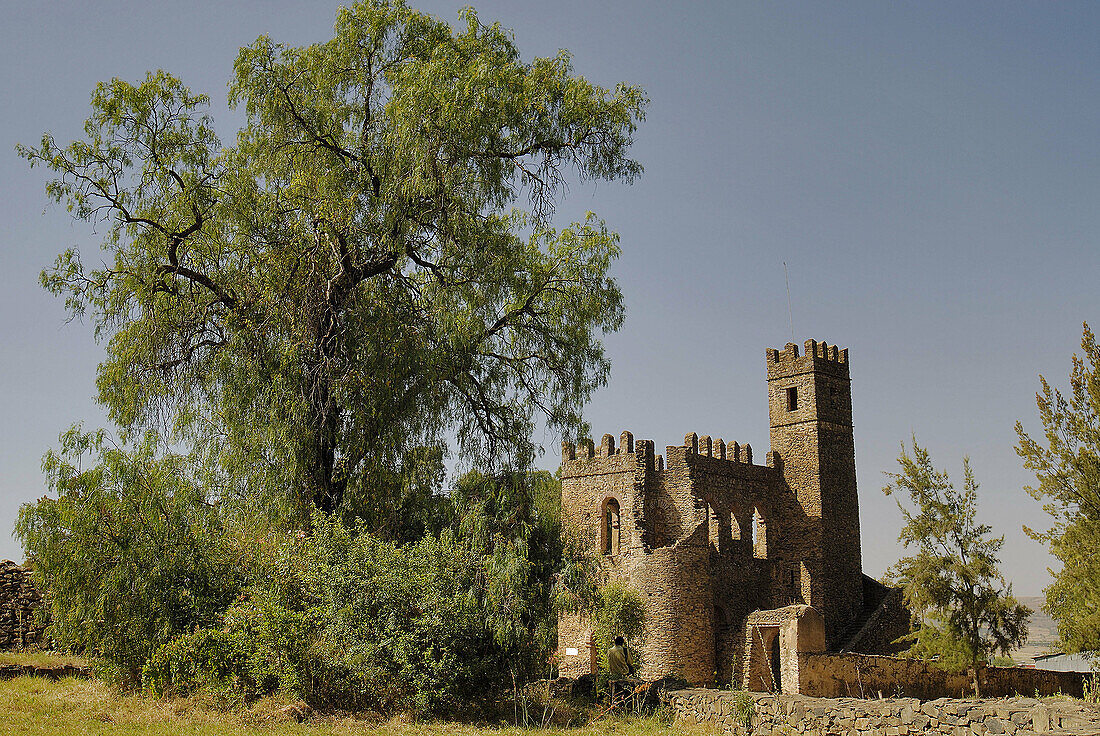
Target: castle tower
(810,407)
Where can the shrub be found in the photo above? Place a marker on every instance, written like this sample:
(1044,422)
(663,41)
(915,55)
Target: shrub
(130,552)
(619,611)
(245,659)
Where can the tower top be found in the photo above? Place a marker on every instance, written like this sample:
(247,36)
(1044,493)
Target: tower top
(820,357)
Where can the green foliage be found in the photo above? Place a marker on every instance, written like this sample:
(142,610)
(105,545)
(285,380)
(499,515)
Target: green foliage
(311,313)
(952,582)
(393,627)
(512,522)
(248,657)
(1091,688)
(619,611)
(130,552)
(1067,467)
(348,283)
(744,710)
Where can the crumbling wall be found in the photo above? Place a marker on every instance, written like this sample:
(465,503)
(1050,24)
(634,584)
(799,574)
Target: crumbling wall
(868,676)
(901,716)
(20,603)
(888,623)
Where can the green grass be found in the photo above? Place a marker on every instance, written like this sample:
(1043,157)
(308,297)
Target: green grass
(36,658)
(39,707)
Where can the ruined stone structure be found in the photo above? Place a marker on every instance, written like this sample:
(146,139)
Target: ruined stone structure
(21,621)
(708,537)
(798,714)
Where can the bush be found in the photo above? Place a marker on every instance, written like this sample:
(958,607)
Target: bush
(246,659)
(353,622)
(396,628)
(619,611)
(130,552)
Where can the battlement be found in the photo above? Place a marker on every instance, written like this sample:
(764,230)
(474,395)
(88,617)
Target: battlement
(819,356)
(586,449)
(718,448)
(733,452)
(704,446)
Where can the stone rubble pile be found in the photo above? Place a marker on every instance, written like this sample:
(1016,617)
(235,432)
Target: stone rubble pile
(20,627)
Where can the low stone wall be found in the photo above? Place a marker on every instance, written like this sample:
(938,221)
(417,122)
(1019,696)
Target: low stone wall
(867,676)
(11,671)
(19,601)
(887,717)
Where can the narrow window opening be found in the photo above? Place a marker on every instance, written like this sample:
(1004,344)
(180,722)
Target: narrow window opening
(759,535)
(792,398)
(611,527)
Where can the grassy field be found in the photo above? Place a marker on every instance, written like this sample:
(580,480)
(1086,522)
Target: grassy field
(68,707)
(41,659)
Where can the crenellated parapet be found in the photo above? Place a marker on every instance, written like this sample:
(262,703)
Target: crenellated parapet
(586,448)
(706,447)
(587,458)
(819,357)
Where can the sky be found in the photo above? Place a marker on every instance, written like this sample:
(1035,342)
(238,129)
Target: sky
(929,173)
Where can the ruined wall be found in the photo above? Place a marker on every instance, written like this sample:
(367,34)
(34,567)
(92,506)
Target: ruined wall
(590,477)
(655,505)
(866,676)
(900,717)
(19,602)
(890,621)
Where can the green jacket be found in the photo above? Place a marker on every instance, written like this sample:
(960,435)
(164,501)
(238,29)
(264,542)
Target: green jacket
(618,662)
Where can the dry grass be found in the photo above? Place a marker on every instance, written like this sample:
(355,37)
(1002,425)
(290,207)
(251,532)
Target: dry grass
(35,658)
(38,707)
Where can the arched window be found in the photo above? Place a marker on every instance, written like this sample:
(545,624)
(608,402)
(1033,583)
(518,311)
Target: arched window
(611,527)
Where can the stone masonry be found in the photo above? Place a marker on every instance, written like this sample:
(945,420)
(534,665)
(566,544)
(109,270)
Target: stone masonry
(798,714)
(708,536)
(20,602)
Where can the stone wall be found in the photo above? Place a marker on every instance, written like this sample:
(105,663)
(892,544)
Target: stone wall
(863,675)
(889,621)
(888,717)
(19,602)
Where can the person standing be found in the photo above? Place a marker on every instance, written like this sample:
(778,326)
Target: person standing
(618,660)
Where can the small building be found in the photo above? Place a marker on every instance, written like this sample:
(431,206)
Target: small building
(711,538)
(1079,662)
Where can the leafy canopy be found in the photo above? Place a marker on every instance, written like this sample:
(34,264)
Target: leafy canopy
(349,281)
(1067,467)
(951,582)
(129,551)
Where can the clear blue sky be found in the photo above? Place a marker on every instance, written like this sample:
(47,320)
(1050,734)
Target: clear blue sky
(929,171)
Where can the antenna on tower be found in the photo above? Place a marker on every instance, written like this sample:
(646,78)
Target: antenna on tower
(790,314)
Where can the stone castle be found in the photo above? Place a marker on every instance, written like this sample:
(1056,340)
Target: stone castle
(724,550)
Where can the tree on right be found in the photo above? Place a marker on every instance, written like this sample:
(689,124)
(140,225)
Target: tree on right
(1066,463)
(965,608)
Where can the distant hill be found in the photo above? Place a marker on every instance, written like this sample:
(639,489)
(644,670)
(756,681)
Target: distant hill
(1042,629)
(1042,637)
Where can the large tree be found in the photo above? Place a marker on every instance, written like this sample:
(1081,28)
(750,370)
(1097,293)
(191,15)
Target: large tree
(349,282)
(1067,466)
(951,582)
